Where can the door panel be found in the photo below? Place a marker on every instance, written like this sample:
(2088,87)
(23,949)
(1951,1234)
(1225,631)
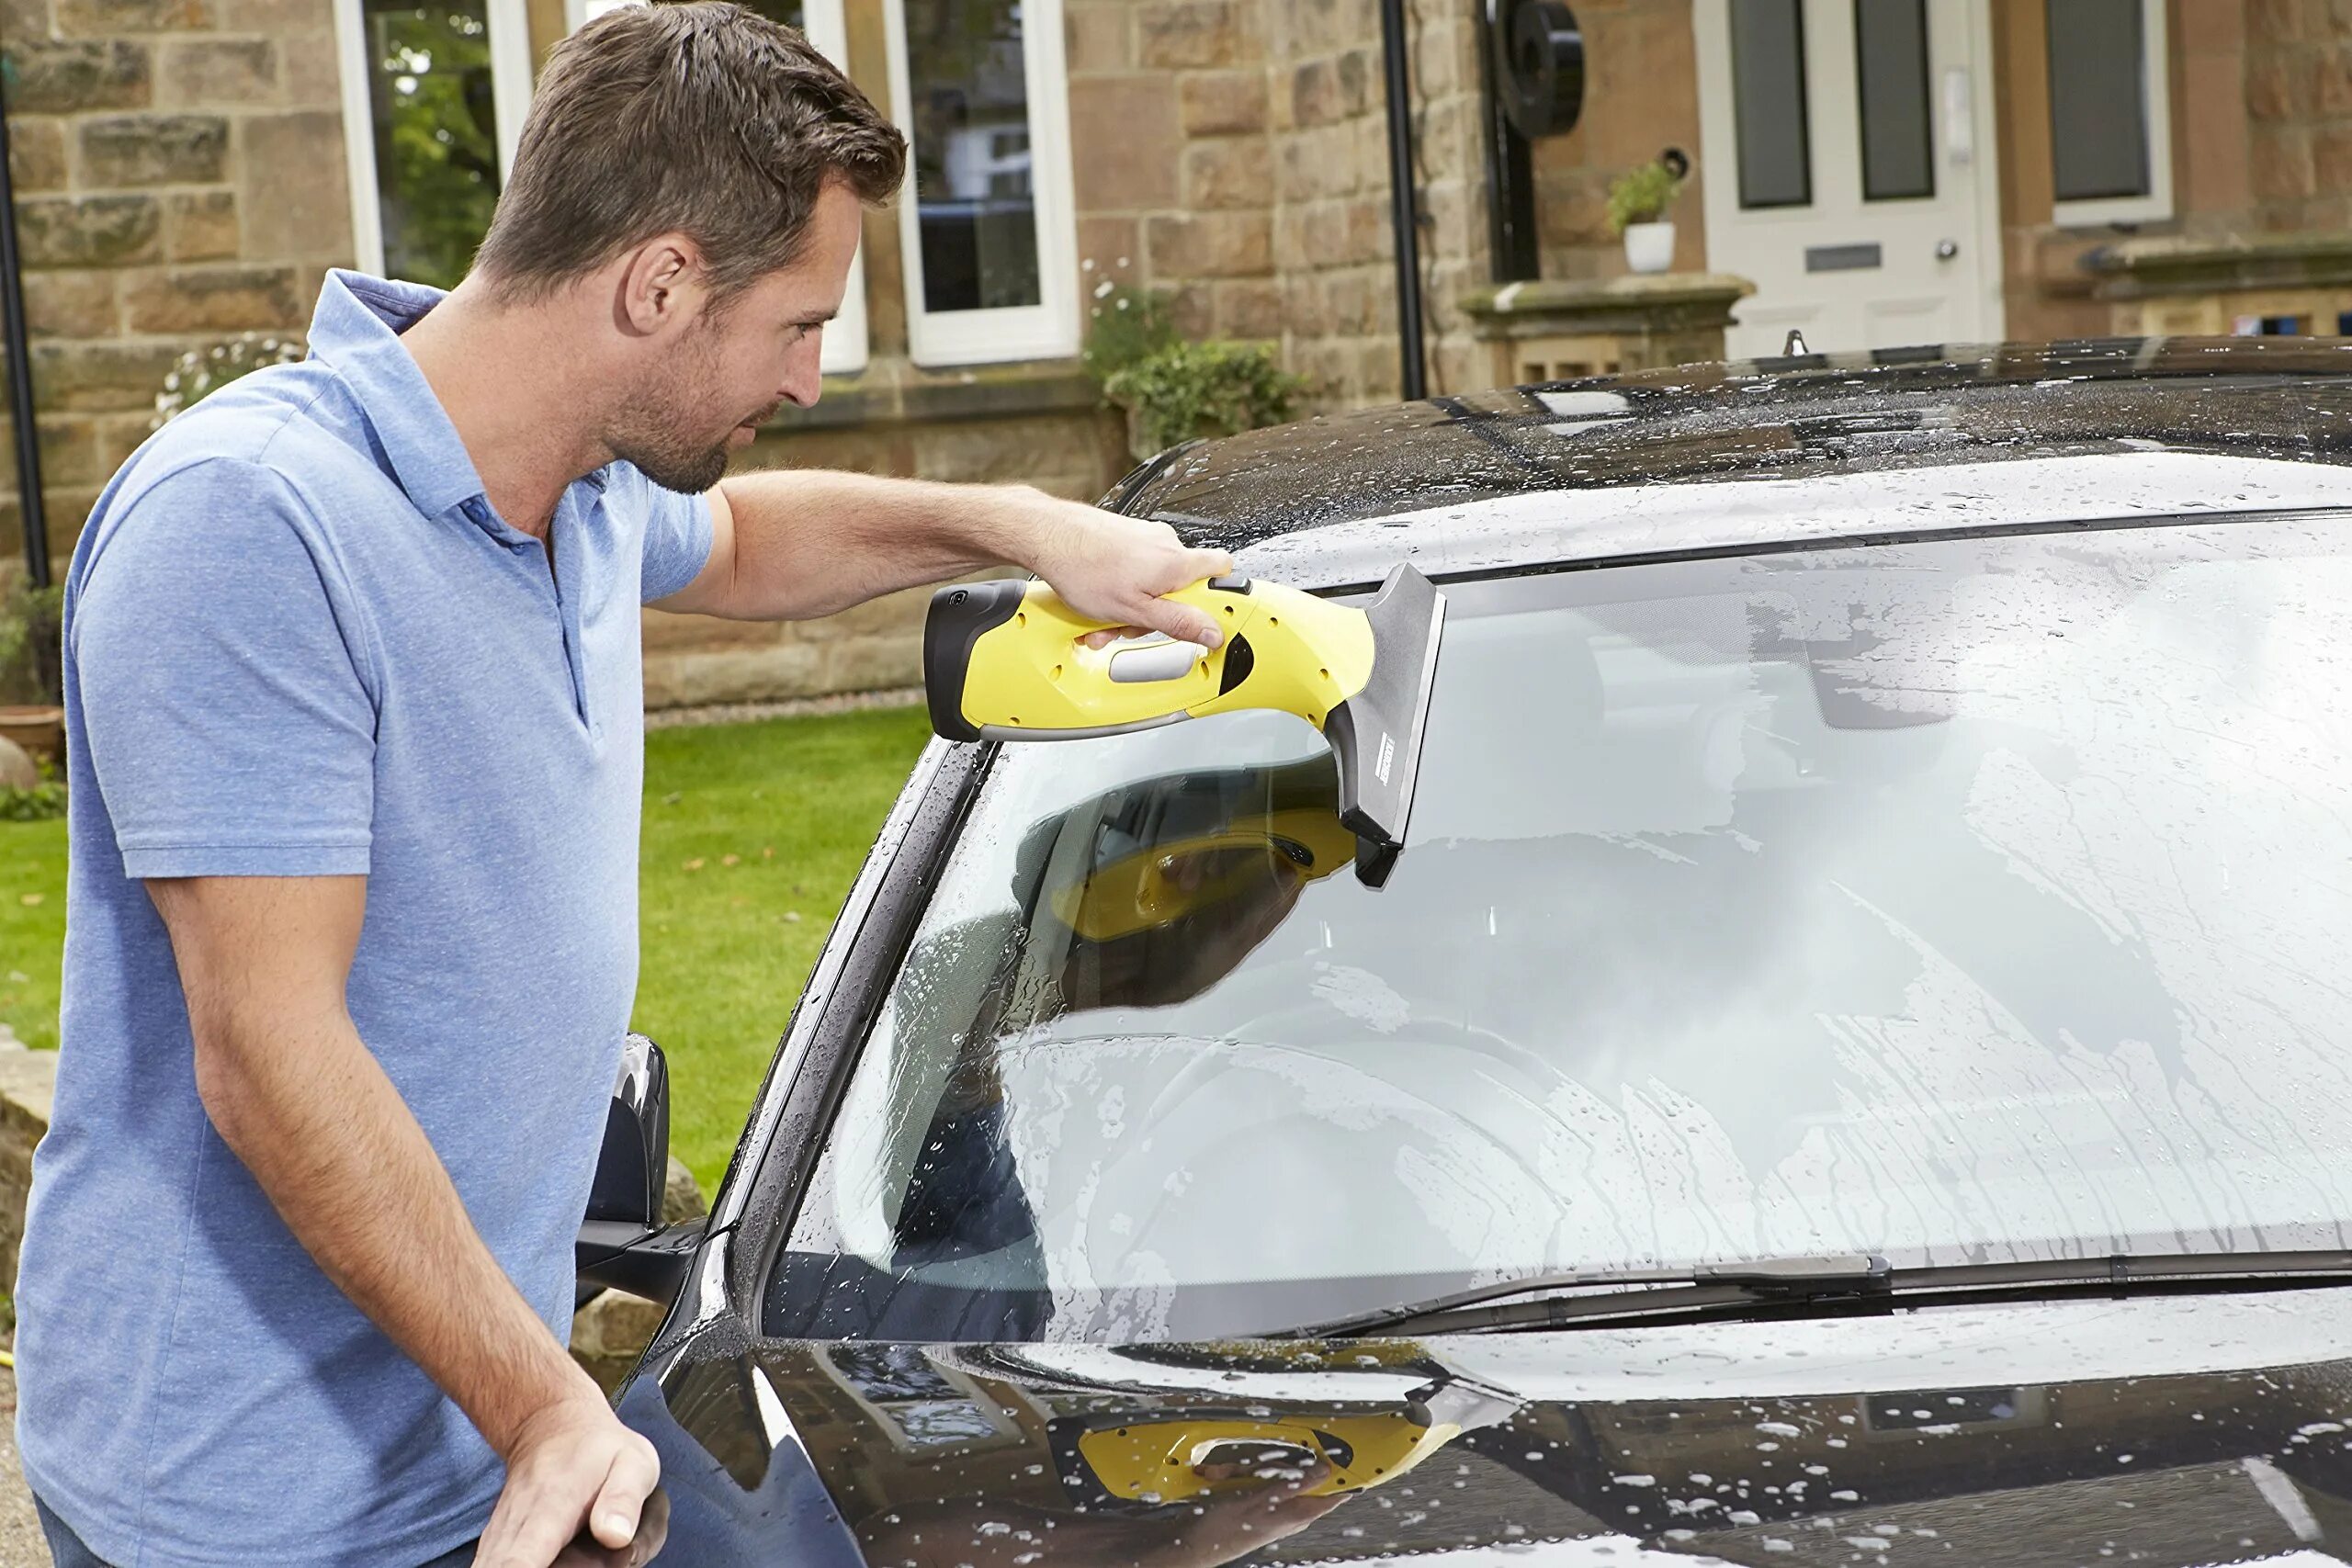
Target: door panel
(1850,170)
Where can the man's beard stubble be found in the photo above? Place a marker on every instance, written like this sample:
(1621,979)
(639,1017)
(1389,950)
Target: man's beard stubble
(659,430)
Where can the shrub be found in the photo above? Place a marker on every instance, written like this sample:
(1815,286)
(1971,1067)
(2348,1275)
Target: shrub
(38,804)
(1202,388)
(203,372)
(1642,194)
(1175,390)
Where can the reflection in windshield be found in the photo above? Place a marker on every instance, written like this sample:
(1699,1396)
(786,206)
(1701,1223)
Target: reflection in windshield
(1956,902)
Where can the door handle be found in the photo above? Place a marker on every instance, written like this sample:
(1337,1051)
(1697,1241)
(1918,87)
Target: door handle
(1947,249)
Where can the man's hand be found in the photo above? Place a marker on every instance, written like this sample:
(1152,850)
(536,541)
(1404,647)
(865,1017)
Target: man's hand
(1114,568)
(574,1464)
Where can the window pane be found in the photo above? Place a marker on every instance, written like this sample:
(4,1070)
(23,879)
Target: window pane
(1891,61)
(436,134)
(2098,114)
(1767,92)
(970,104)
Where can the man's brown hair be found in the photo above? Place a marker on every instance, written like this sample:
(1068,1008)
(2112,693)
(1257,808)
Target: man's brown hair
(701,118)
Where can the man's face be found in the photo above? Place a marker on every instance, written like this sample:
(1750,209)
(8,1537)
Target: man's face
(731,370)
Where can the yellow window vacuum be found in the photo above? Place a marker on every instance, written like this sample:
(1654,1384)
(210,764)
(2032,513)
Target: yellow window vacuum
(1005,660)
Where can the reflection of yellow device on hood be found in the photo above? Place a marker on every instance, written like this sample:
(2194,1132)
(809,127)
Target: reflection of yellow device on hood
(1157,1460)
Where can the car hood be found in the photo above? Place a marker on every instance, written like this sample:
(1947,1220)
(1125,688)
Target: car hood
(2168,1430)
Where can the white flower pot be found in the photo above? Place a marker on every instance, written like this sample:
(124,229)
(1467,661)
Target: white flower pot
(1649,247)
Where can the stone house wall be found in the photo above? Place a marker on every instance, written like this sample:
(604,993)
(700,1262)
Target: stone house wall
(179,177)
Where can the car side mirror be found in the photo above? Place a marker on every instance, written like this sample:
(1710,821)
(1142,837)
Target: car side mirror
(633,1170)
(623,1243)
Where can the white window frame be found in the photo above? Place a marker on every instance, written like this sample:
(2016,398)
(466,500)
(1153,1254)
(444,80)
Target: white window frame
(510,79)
(846,348)
(1049,329)
(2155,87)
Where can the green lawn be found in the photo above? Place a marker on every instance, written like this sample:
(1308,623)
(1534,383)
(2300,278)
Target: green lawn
(32,928)
(724,955)
(753,835)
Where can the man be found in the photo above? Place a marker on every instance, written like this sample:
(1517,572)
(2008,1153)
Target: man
(354,724)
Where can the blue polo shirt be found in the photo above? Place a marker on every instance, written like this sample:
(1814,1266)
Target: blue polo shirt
(299,643)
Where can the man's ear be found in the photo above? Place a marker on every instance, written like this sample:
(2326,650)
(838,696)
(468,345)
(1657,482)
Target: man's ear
(662,285)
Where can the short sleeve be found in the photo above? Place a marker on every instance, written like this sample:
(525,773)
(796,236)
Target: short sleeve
(230,730)
(677,541)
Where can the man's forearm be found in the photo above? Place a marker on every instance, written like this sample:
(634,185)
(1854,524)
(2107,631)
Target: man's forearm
(802,543)
(302,1102)
(793,545)
(343,1160)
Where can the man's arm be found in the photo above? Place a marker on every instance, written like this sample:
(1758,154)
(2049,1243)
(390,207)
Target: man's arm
(795,544)
(298,1098)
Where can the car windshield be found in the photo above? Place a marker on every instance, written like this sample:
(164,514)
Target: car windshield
(1972,900)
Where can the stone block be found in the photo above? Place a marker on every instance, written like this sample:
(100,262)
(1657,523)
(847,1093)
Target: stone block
(61,76)
(310,71)
(27,1086)
(88,230)
(110,18)
(217,73)
(1179,34)
(24,19)
(1235,171)
(1110,244)
(1129,129)
(36,153)
(1249,309)
(105,378)
(212,299)
(1210,244)
(1323,92)
(2274,20)
(2332,83)
(2332,158)
(296,194)
(1221,103)
(1192,309)
(69,451)
(2270,83)
(70,304)
(200,226)
(1002,451)
(1100,37)
(2282,164)
(280,19)
(120,434)
(133,150)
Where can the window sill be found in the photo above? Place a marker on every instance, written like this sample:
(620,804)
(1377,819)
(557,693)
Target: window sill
(894,391)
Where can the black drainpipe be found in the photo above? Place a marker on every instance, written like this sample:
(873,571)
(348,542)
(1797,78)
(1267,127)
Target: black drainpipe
(21,361)
(1400,196)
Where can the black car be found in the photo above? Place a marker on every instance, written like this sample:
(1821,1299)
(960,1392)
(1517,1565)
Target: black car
(1854,1063)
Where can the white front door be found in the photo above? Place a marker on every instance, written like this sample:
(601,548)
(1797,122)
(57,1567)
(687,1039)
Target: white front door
(1850,170)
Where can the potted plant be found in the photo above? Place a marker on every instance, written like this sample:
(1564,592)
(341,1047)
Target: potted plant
(31,677)
(1637,202)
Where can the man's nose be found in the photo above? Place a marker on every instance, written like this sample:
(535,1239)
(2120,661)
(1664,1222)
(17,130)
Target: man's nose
(804,375)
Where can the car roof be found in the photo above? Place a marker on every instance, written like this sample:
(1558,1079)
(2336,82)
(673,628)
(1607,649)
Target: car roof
(1773,451)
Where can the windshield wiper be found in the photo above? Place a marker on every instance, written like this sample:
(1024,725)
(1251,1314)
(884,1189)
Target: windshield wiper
(1611,1297)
